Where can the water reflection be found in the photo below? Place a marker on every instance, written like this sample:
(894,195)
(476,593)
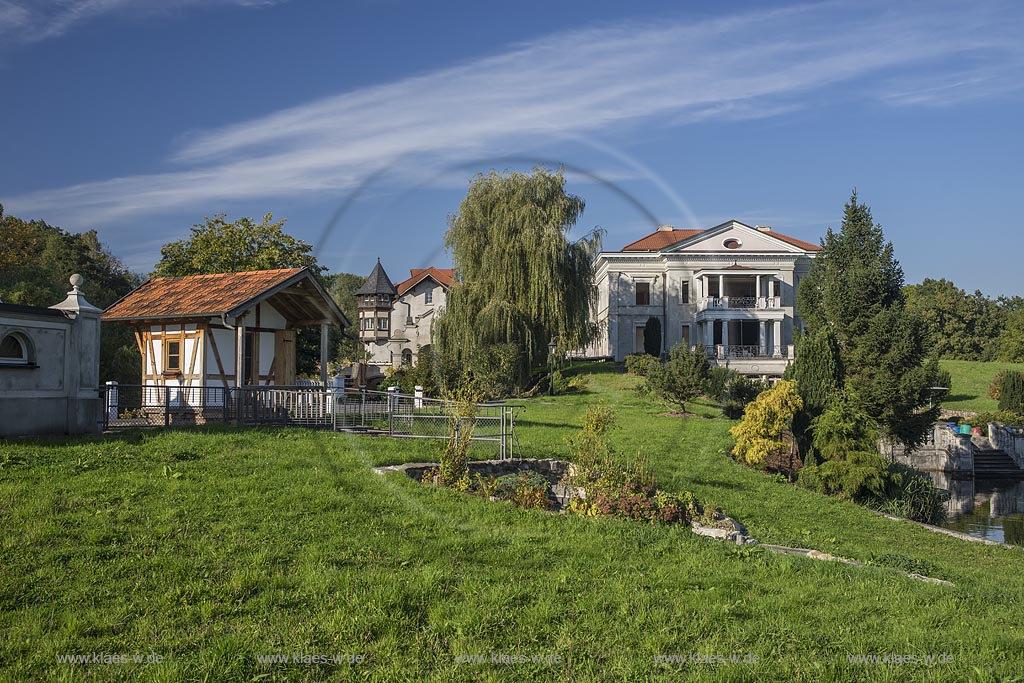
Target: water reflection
(985,508)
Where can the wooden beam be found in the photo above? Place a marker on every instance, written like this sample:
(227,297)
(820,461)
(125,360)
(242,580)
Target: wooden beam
(325,330)
(192,362)
(216,356)
(152,353)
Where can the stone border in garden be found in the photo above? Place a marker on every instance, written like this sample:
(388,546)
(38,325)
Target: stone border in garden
(726,529)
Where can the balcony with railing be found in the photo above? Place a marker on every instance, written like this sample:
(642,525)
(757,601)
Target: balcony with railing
(745,351)
(739,302)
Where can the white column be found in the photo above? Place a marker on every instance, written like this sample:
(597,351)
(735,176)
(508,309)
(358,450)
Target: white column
(761,334)
(771,287)
(725,336)
(721,286)
(709,334)
(777,337)
(757,287)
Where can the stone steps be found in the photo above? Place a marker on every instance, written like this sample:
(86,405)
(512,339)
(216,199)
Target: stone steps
(994,463)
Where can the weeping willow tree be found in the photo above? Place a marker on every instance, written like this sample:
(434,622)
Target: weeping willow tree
(521,282)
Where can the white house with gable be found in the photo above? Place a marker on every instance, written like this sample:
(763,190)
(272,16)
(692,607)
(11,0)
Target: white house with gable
(731,288)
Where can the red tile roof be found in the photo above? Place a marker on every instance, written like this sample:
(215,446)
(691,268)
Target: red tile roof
(443,276)
(663,239)
(196,295)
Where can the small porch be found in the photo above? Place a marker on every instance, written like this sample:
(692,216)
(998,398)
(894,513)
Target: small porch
(743,338)
(739,287)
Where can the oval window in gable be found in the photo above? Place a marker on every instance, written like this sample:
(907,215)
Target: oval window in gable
(732,243)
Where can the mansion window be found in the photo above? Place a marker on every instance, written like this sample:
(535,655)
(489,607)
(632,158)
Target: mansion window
(382,323)
(684,291)
(428,297)
(643,294)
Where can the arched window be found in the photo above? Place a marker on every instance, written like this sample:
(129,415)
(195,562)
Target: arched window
(407,357)
(15,350)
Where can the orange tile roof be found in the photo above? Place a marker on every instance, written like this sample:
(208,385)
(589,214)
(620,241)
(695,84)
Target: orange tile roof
(443,276)
(794,241)
(196,295)
(663,239)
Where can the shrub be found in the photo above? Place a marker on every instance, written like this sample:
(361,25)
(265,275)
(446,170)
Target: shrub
(1006,417)
(579,383)
(718,379)
(641,364)
(616,487)
(683,377)
(1011,391)
(911,494)
(559,385)
(995,385)
(739,392)
(453,470)
(531,491)
(764,421)
(652,337)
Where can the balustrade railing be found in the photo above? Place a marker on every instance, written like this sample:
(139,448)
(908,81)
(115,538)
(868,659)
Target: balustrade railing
(750,302)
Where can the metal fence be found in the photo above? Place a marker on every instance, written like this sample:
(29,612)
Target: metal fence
(313,406)
(160,406)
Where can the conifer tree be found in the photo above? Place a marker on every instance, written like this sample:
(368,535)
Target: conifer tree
(854,289)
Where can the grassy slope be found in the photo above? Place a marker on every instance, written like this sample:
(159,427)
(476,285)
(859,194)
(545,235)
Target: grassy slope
(284,541)
(971,380)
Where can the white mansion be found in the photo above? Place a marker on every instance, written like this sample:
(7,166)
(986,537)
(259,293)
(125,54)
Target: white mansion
(731,287)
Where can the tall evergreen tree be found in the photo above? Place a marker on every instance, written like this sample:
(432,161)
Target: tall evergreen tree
(854,277)
(855,290)
(819,376)
(520,280)
(652,337)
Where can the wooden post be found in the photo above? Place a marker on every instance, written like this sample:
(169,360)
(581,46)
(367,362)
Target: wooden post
(324,340)
(240,355)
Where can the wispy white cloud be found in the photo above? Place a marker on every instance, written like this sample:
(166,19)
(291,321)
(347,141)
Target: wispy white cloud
(566,85)
(29,21)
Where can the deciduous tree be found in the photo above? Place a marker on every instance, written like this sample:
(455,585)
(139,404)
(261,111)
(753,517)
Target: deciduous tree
(520,279)
(683,377)
(221,246)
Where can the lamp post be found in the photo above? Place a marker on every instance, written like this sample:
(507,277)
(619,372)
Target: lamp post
(551,367)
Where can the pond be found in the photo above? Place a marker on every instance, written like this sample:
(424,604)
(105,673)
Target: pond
(992,509)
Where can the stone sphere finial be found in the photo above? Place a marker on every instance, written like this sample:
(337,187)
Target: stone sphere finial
(76,280)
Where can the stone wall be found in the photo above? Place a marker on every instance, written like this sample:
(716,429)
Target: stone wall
(54,391)
(552,470)
(944,451)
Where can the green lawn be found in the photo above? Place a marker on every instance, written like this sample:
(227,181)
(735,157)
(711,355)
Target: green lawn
(971,380)
(212,547)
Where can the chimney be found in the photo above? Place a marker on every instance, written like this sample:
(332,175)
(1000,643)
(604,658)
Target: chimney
(763,228)
(665,228)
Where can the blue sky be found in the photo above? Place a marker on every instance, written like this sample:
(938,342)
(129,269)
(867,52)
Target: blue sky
(139,117)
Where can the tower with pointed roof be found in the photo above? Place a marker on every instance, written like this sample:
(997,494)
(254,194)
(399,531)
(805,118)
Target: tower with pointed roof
(374,301)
